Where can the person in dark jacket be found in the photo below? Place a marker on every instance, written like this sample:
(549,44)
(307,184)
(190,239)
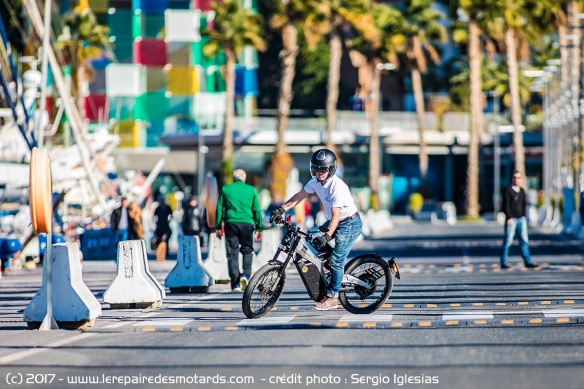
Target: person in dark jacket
(162,217)
(119,219)
(239,208)
(192,222)
(515,207)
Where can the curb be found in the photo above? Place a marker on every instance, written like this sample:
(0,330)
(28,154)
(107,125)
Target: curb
(367,325)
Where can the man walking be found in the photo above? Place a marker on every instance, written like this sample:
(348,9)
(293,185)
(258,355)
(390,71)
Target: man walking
(119,219)
(238,208)
(515,206)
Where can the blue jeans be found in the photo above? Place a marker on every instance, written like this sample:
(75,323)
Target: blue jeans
(345,236)
(518,228)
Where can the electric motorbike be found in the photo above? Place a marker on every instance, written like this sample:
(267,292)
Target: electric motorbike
(367,282)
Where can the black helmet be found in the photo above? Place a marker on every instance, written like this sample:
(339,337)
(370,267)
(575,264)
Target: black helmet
(323,160)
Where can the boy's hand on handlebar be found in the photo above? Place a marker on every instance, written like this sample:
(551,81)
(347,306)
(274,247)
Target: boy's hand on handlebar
(321,240)
(276,215)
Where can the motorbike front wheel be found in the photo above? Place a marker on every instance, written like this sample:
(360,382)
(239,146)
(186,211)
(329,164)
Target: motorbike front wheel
(262,292)
(373,271)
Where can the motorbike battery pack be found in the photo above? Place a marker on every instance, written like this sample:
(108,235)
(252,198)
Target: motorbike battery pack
(313,281)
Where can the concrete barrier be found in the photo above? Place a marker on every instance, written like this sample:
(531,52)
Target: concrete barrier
(216,263)
(189,273)
(74,306)
(134,285)
(379,221)
(269,245)
(365,229)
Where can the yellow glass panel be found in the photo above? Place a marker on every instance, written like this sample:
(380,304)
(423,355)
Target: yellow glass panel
(183,80)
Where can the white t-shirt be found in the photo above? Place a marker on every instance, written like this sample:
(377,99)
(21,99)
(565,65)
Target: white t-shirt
(333,194)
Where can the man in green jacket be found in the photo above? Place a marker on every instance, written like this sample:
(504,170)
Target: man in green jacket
(239,208)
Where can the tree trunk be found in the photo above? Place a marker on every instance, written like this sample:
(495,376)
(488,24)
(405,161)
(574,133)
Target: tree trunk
(515,102)
(227,147)
(288,57)
(476,121)
(281,163)
(336,51)
(373,105)
(419,100)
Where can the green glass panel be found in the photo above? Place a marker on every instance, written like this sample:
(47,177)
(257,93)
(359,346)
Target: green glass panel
(123,50)
(121,108)
(198,56)
(151,106)
(136,25)
(211,82)
(120,23)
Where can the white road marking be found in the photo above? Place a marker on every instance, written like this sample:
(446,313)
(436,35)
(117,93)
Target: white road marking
(564,313)
(467,315)
(266,321)
(30,352)
(363,318)
(163,322)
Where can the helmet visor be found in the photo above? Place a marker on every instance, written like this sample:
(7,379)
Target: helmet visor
(315,169)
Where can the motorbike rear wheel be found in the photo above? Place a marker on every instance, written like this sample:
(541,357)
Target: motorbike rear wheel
(262,293)
(374,271)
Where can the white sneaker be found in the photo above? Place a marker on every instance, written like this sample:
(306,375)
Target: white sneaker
(237,289)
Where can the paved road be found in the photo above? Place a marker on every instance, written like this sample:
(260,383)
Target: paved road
(454,320)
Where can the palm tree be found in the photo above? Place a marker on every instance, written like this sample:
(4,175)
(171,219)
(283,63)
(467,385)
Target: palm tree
(285,19)
(331,17)
(475,12)
(513,17)
(234,28)
(80,42)
(422,27)
(371,54)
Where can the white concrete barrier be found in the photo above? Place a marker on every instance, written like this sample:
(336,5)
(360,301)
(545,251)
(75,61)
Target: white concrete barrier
(269,245)
(134,285)
(189,274)
(74,306)
(379,221)
(216,263)
(365,229)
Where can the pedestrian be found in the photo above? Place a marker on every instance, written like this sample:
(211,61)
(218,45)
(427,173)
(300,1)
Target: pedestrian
(136,227)
(192,221)
(119,219)
(162,217)
(515,208)
(344,223)
(238,207)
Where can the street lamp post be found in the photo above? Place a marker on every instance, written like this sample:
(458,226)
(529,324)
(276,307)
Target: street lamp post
(497,155)
(202,150)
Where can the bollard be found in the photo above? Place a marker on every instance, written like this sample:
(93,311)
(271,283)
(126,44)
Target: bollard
(134,285)
(189,274)
(270,242)
(74,306)
(216,263)
(365,229)
(379,221)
